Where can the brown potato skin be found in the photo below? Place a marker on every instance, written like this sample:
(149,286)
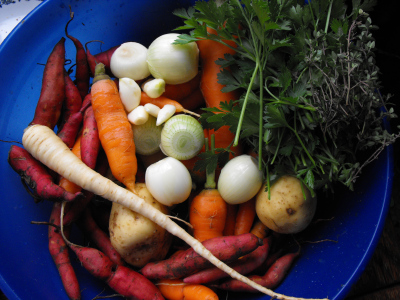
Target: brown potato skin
(137,239)
(287,211)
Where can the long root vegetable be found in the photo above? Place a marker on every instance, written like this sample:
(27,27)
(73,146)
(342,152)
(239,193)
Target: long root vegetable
(82,73)
(175,289)
(244,265)
(259,229)
(74,209)
(48,108)
(271,279)
(73,99)
(230,222)
(226,249)
(210,52)
(71,128)
(207,215)
(245,216)
(180,91)
(59,252)
(102,57)
(194,101)
(91,230)
(162,101)
(115,131)
(121,279)
(65,183)
(36,176)
(45,146)
(90,143)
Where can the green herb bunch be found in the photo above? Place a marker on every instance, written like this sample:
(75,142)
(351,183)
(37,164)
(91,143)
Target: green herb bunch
(310,105)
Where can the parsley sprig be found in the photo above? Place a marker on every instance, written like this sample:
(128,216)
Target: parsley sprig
(309,82)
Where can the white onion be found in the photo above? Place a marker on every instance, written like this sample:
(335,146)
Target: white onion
(129,60)
(240,179)
(174,63)
(182,137)
(147,137)
(169,181)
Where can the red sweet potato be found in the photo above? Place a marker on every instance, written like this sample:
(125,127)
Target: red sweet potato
(87,101)
(90,142)
(121,279)
(102,57)
(48,108)
(98,237)
(35,175)
(70,129)
(82,73)
(74,209)
(228,248)
(244,265)
(271,279)
(73,99)
(59,252)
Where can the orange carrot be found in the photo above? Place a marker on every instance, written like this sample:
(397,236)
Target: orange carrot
(65,183)
(181,91)
(176,289)
(193,101)
(208,211)
(210,52)
(259,229)
(162,101)
(245,217)
(115,131)
(230,219)
(207,214)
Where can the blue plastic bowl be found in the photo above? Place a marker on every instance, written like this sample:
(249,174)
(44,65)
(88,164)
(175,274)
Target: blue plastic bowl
(325,269)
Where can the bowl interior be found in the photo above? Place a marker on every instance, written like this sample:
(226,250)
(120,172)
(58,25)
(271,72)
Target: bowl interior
(335,251)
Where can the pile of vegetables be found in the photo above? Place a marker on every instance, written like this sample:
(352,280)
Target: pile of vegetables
(237,123)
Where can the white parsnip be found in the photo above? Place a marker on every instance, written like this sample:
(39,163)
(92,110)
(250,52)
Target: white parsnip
(43,144)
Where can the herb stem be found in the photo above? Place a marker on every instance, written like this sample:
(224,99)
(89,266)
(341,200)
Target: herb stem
(260,136)
(243,109)
(328,17)
(210,174)
(302,144)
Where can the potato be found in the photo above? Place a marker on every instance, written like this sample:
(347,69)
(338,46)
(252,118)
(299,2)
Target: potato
(137,239)
(287,211)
